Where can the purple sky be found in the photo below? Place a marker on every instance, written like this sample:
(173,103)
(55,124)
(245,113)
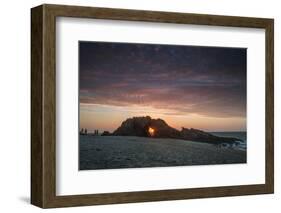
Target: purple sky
(176,81)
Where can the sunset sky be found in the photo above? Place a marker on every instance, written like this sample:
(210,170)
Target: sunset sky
(187,86)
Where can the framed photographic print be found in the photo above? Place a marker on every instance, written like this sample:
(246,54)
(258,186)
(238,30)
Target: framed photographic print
(135,106)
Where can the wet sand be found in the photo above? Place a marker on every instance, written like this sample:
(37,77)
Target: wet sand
(112,152)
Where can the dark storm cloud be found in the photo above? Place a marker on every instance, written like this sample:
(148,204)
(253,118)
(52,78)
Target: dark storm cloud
(188,79)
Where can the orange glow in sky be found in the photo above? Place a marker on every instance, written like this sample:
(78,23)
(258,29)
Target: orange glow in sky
(109,118)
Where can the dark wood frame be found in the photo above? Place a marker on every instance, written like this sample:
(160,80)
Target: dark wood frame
(43,105)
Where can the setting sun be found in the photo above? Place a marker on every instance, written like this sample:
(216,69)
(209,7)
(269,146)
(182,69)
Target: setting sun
(151,131)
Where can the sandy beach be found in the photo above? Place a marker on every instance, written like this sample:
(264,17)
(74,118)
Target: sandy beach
(112,152)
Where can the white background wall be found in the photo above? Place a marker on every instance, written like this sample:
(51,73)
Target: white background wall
(15,105)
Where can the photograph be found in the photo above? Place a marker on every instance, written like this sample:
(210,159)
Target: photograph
(161,105)
(136,105)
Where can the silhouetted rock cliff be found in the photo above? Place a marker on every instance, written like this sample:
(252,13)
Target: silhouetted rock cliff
(139,126)
(148,127)
(199,135)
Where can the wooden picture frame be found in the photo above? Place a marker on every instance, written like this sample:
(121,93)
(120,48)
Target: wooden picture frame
(43,105)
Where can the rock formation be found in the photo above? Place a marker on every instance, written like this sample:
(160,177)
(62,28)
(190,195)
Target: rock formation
(140,126)
(199,135)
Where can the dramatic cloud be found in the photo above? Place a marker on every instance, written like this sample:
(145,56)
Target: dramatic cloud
(183,80)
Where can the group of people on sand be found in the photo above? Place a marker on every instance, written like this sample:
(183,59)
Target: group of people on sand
(85,132)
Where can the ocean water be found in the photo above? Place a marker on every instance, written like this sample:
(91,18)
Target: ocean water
(241,145)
